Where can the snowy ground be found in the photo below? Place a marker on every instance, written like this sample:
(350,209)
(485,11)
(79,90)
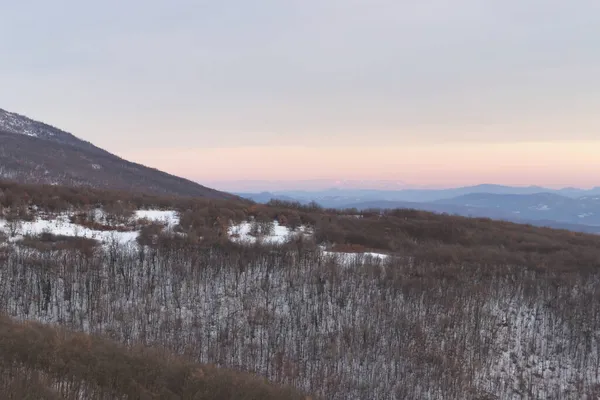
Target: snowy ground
(242,233)
(61,225)
(169,217)
(520,349)
(350,258)
(245,232)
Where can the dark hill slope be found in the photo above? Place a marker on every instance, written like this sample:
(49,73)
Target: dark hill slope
(33,152)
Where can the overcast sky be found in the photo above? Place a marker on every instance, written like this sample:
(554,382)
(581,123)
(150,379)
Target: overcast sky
(427,92)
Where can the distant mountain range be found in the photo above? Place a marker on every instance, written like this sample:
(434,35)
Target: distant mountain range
(34,152)
(571,208)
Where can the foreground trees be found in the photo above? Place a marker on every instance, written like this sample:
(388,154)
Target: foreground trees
(462,309)
(362,329)
(41,362)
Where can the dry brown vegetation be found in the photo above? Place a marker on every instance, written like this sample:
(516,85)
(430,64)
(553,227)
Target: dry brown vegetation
(48,241)
(452,238)
(463,308)
(43,362)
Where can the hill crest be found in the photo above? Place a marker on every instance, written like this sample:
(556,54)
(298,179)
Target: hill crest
(38,153)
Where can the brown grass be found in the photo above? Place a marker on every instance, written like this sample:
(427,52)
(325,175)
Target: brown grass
(44,362)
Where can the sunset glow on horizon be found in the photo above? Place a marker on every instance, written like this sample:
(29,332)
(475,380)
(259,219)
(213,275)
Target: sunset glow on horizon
(539,163)
(425,93)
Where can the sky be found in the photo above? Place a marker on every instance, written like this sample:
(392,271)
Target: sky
(431,92)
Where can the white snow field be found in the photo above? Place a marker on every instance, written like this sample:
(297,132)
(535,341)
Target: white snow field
(169,217)
(351,258)
(61,225)
(242,233)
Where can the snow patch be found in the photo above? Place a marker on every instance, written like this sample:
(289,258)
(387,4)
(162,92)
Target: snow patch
(61,225)
(354,258)
(250,232)
(168,217)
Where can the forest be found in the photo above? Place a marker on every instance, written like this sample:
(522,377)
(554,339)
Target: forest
(458,308)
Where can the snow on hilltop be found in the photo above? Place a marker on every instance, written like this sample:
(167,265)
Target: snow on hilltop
(19,124)
(13,123)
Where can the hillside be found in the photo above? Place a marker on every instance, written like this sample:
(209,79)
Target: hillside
(49,363)
(34,152)
(396,304)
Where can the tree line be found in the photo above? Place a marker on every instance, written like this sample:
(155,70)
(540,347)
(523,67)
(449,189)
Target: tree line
(361,329)
(462,308)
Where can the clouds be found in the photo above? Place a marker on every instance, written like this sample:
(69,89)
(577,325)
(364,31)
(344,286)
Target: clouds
(275,73)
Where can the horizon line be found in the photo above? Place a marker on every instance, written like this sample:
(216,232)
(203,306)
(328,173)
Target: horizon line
(367,184)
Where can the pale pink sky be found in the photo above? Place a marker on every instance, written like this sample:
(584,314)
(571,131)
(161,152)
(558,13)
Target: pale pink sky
(428,92)
(575,163)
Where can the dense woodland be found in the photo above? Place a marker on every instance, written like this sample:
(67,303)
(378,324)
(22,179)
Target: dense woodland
(462,308)
(45,363)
